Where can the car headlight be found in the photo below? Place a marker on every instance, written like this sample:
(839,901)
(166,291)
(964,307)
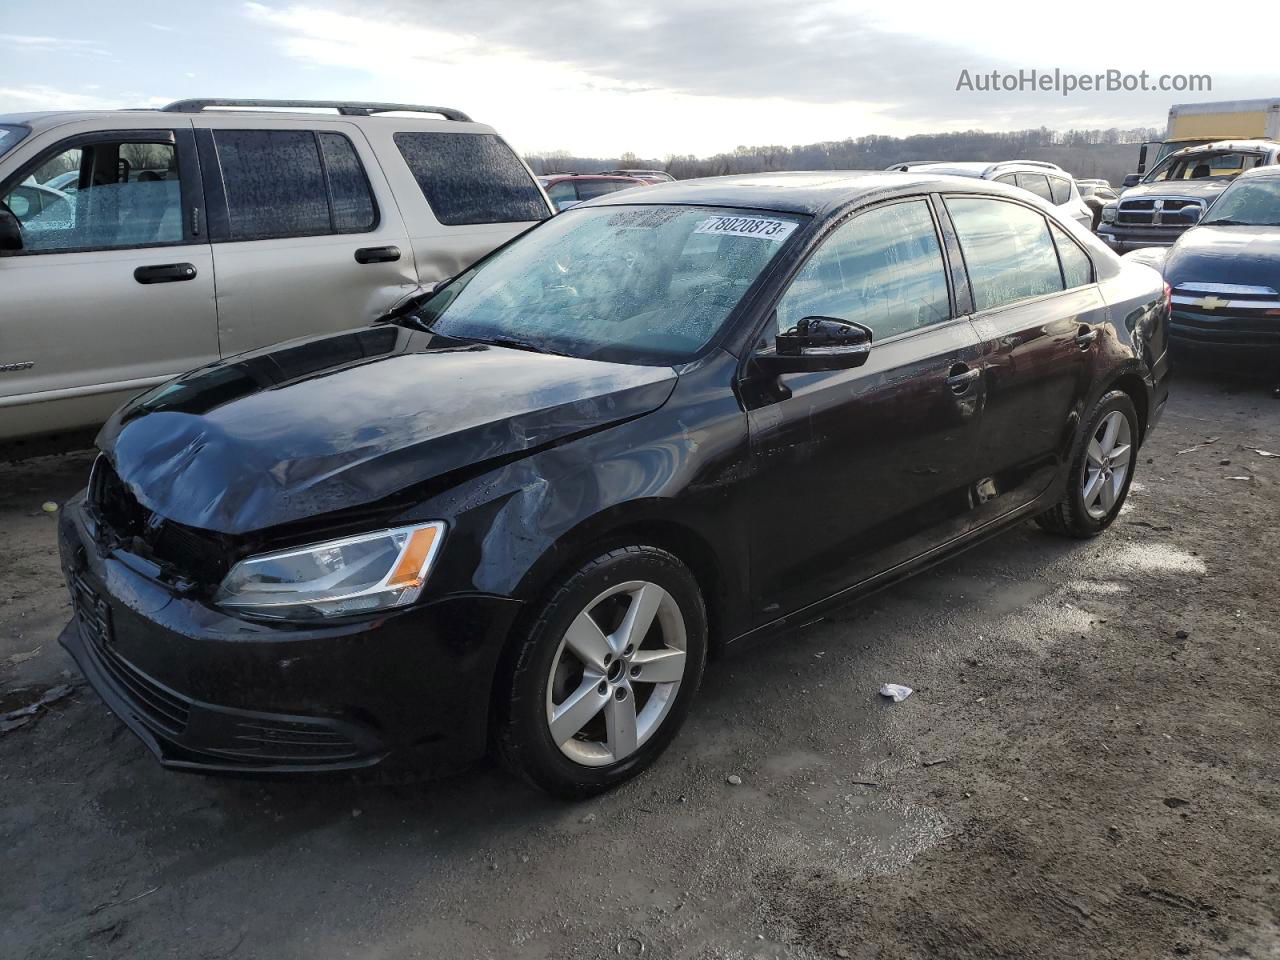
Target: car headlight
(372,571)
(1109,213)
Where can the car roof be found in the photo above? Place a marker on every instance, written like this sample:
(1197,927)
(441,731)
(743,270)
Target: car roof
(983,168)
(1258,145)
(1271,170)
(803,191)
(446,118)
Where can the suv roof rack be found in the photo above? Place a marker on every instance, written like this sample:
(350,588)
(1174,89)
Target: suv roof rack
(1026,163)
(347,108)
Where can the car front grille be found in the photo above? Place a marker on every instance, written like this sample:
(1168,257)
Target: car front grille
(187,552)
(1157,212)
(1238,313)
(286,740)
(161,708)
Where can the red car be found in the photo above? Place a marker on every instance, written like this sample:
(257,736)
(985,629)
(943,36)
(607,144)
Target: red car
(569,189)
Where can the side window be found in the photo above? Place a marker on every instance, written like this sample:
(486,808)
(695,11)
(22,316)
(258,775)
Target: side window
(471,178)
(1007,251)
(1077,268)
(1061,190)
(274,182)
(1037,183)
(353,207)
(1009,178)
(883,269)
(131,197)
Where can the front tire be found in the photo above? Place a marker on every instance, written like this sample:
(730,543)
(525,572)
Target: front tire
(605,676)
(1102,464)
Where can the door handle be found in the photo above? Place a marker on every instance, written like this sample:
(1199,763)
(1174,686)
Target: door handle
(1085,338)
(165,273)
(961,377)
(377,254)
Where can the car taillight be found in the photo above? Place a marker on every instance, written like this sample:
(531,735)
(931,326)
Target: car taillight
(1168,298)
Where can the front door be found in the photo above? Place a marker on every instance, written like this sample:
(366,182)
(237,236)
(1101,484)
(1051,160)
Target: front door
(112,291)
(306,236)
(856,471)
(1039,314)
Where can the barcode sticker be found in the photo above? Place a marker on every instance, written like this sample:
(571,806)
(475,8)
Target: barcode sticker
(774,231)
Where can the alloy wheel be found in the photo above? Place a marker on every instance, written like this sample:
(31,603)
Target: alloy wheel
(616,673)
(1108,459)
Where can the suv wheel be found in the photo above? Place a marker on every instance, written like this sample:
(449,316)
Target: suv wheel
(606,674)
(1101,470)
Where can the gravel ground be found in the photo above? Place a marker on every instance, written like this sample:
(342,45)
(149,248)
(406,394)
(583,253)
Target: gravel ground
(1088,768)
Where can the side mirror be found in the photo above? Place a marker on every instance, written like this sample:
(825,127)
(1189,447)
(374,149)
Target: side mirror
(1192,213)
(818,343)
(10,231)
(1132,180)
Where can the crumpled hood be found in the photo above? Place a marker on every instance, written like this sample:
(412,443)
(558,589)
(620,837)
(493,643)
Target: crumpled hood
(1207,190)
(323,424)
(1243,255)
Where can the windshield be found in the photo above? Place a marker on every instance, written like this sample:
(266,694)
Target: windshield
(631,284)
(1221,164)
(1248,202)
(10,134)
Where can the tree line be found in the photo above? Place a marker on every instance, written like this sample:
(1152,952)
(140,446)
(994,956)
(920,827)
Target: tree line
(1109,153)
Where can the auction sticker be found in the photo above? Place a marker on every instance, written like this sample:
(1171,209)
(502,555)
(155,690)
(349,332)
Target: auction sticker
(773,230)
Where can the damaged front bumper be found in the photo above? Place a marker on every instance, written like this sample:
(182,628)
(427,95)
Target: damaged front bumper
(210,692)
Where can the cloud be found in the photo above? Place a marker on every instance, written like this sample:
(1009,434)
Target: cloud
(41,44)
(38,98)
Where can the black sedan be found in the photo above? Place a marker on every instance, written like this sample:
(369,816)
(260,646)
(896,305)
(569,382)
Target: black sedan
(524,510)
(1225,275)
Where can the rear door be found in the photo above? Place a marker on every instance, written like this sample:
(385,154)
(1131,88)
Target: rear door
(1039,314)
(855,471)
(112,291)
(306,236)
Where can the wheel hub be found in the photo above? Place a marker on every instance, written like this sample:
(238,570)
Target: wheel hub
(616,673)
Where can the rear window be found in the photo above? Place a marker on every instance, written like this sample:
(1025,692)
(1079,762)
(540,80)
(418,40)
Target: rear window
(470,178)
(292,183)
(10,134)
(590,189)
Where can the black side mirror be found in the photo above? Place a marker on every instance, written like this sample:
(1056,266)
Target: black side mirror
(10,231)
(818,343)
(1192,213)
(1132,180)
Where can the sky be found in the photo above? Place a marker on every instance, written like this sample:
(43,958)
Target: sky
(654,77)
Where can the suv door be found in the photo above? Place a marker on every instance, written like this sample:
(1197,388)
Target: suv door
(112,291)
(306,236)
(858,470)
(1040,314)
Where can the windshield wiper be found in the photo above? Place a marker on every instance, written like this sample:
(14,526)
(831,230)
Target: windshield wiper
(1226,222)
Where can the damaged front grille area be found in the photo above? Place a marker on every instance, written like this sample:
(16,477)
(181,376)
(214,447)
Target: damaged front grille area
(183,552)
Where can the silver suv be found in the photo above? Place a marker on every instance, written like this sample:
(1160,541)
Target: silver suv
(1048,181)
(137,244)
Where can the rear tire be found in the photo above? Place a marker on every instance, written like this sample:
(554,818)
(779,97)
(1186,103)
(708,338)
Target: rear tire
(605,675)
(1101,470)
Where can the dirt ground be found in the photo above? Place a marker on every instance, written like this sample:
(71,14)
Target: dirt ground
(1088,768)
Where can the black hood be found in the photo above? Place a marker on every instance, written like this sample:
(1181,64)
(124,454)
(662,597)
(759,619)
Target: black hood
(1243,255)
(328,423)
